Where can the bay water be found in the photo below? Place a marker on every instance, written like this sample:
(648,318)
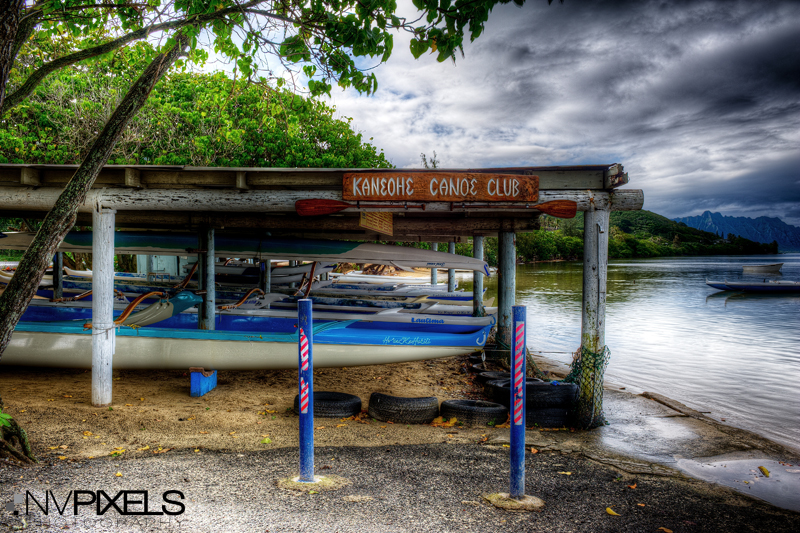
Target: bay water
(735,356)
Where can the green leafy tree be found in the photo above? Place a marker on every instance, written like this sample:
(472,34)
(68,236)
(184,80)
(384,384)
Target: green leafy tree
(323,41)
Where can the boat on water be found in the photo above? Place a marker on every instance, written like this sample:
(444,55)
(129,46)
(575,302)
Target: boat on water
(773,268)
(756,286)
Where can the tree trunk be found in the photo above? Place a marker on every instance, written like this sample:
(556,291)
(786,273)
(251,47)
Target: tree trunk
(61,218)
(126,263)
(10,11)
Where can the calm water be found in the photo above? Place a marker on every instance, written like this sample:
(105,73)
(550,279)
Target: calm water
(735,355)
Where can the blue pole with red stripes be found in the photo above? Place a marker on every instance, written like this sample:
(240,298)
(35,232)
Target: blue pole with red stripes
(306,382)
(517,404)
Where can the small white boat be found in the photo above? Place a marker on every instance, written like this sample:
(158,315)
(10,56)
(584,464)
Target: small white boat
(773,268)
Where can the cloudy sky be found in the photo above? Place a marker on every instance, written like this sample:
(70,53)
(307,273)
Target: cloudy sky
(699,100)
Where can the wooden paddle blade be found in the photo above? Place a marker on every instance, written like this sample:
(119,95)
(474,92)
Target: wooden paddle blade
(308,208)
(558,208)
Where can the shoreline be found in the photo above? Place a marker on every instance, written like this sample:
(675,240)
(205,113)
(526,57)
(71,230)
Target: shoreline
(152,414)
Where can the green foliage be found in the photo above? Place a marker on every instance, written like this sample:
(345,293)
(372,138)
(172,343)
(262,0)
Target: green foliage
(632,234)
(325,41)
(5,418)
(190,119)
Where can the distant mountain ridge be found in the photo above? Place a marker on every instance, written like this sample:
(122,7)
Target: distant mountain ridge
(761,229)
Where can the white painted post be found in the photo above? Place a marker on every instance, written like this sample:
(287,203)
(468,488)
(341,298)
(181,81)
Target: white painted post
(595,269)
(506,285)
(477,277)
(102,305)
(434,272)
(451,272)
(207,275)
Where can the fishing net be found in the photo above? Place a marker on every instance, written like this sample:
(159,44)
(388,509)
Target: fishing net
(587,371)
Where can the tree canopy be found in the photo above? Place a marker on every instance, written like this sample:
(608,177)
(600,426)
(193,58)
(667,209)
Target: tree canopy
(190,119)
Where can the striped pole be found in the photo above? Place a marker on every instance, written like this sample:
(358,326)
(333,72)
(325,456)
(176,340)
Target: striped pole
(518,405)
(305,370)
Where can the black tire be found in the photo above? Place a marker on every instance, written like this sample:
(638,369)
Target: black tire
(474,413)
(476,369)
(332,404)
(483,377)
(538,394)
(475,359)
(548,417)
(497,390)
(403,410)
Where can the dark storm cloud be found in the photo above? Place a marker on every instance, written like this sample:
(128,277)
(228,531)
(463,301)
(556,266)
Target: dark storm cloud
(700,100)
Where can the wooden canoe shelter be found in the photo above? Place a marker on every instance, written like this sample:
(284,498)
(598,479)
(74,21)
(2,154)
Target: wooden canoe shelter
(451,205)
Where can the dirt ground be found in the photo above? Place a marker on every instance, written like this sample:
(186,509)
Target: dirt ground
(152,411)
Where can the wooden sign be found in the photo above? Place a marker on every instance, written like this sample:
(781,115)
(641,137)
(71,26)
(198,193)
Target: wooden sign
(380,222)
(439,187)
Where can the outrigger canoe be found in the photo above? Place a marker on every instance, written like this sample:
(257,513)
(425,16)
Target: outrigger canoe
(164,346)
(755,286)
(227,245)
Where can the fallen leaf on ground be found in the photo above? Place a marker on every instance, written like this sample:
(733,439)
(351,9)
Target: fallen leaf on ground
(128,405)
(204,432)
(143,449)
(67,396)
(534,450)
(118,474)
(231,433)
(62,457)
(63,446)
(632,486)
(665,530)
(161,450)
(196,450)
(640,504)
(341,425)
(610,511)
(87,433)
(764,471)
(442,423)
(566,473)
(266,441)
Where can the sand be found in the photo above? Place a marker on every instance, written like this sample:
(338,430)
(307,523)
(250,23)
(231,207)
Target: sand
(152,411)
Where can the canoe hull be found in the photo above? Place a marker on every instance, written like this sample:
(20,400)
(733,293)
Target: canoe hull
(136,352)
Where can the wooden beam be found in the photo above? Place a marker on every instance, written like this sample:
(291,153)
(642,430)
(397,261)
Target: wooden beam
(241,180)
(29,177)
(133,177)
(273,201)
(614,177)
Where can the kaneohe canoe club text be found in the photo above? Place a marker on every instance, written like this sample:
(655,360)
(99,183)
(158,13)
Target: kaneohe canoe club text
(440,186)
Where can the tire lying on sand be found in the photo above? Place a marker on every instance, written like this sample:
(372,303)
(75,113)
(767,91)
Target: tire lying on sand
(403,410)
(332,404)
(548,417)
(483,377)
(538,394)
(474,413)
(489,389)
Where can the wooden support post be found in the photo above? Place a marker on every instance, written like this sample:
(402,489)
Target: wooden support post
(506,285)
(434,272)
(451,272)
(477,279)
(151,267)
(595,268)
(58,275)
(206,316)
(102,305)
(293,285)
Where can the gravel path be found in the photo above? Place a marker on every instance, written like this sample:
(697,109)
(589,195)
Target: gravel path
(433,487)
